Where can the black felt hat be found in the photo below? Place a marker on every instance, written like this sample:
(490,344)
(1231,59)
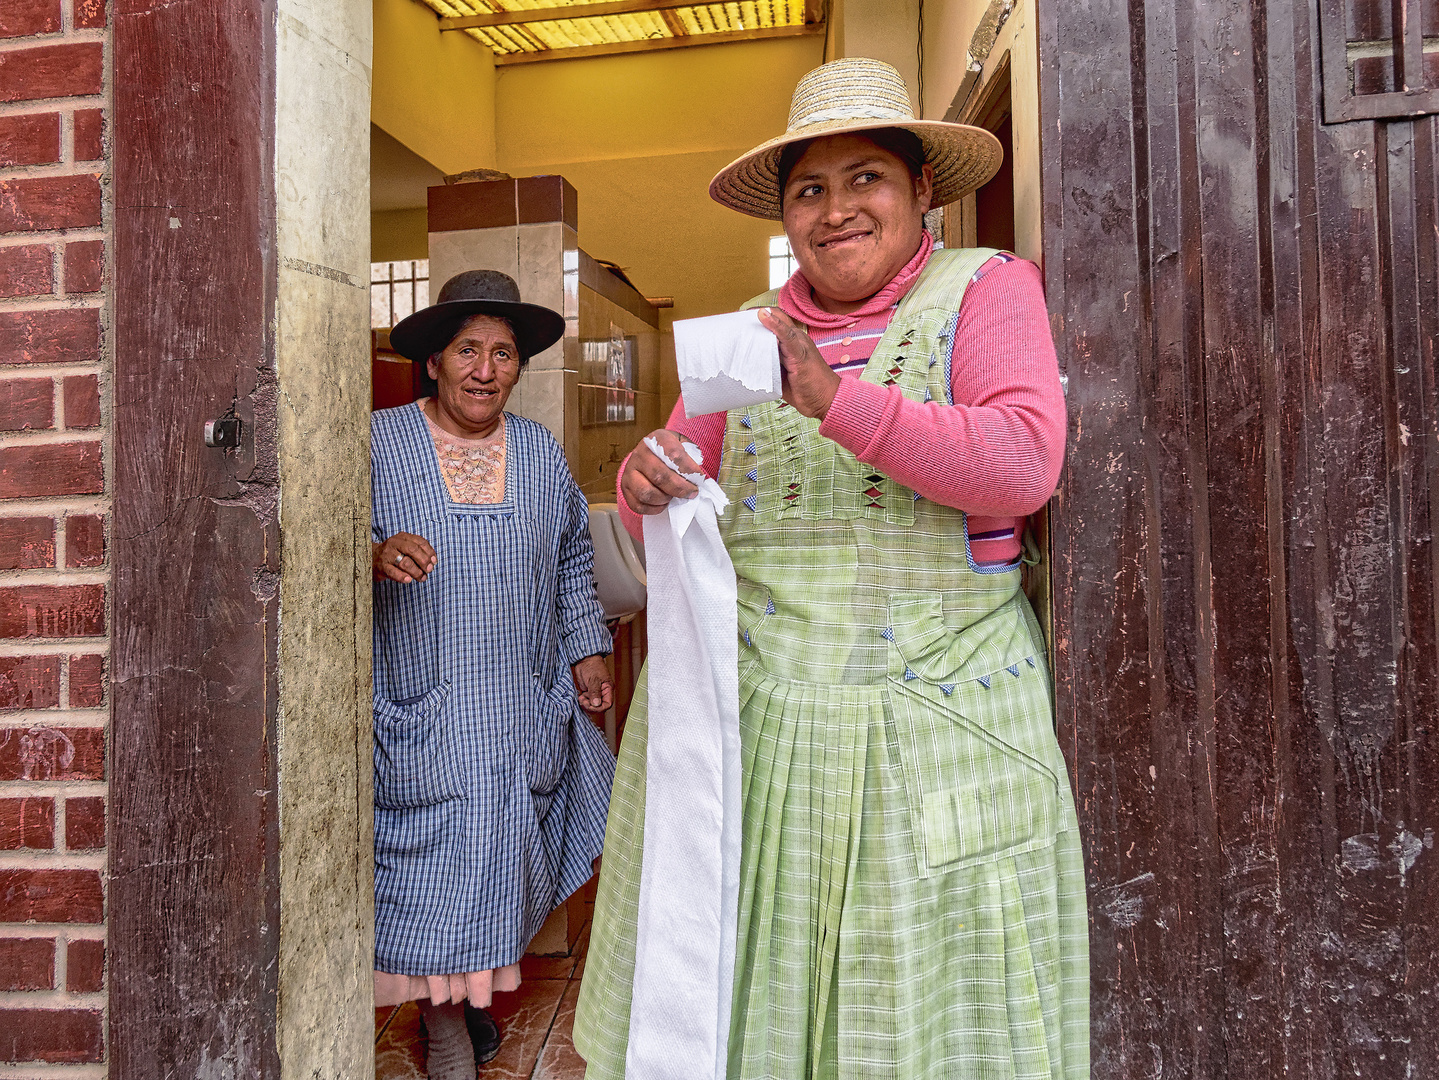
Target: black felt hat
(476,292)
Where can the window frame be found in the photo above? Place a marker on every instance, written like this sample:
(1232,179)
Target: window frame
(1341,104)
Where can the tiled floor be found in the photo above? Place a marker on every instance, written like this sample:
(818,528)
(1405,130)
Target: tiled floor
(536,1021)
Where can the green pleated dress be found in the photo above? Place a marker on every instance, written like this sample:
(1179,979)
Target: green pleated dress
(912,898)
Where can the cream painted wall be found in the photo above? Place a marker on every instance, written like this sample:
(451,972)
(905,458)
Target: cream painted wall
(434,92)
(886,30)
(325,1018)
(640,136)
(399,234)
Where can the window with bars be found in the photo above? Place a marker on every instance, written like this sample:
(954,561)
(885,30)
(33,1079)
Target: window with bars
(397,289)
(1380,57)
(781,261)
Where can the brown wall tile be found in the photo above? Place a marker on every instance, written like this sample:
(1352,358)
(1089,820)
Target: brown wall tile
(52,611)
(84,266)
(85,966)
(84,539)
(27,404)
(31,139)
(51,71)
(20,18)
(26,543)
(27,963)
(51,469)
(27,823)
(31,203)
(64,336)
(82,401)
(85,823)
(50,896)
(52,1035)
(26,682)
(27,271)
(44,753)
(483,205)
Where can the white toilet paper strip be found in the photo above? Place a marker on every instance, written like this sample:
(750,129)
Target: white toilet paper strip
(726,362)
(689,879)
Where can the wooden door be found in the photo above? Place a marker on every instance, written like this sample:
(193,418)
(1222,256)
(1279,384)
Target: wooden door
(1245,302)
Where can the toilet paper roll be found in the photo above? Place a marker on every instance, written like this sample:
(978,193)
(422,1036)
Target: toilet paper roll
(726,362)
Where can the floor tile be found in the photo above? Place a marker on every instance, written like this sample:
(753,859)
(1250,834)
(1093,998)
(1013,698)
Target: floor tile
(400,1053)
(525,1017)
(560,1061)
(546,967)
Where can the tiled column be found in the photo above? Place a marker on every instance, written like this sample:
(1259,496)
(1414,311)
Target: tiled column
(525,228)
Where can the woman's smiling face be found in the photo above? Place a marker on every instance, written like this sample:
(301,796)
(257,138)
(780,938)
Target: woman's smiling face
(476,372)
(853,215)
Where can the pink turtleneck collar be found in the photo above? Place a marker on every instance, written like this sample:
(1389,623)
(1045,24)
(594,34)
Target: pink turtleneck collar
(796,296)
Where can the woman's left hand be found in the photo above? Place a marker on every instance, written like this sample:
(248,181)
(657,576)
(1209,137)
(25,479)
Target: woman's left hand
(809,383)
(592,680)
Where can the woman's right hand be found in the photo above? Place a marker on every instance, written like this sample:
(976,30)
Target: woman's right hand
(648,484)
(404,557)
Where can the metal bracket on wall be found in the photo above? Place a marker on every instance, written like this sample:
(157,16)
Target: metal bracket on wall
(223,433)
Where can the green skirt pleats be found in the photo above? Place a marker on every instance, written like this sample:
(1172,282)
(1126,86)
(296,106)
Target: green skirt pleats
(852,962)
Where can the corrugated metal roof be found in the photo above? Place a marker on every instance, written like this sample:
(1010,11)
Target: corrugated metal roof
(697,21)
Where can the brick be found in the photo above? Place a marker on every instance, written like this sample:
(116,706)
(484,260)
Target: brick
(45,753)
(26,682)
(62,336)
(84,266)
(59,1036)
(82,401)
(28,611)
(90,14)
(89,134)
(87,681)
(85,966)
(27,823)
(20,18)
(84,823)
(27,963)
(27,271)
(42,470)
(50,896)
(32,139)
(31,203)
(26,543)
(27,404)
(52,71)
(84,546)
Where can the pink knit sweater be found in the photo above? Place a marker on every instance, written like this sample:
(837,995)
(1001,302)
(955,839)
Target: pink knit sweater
(995,453)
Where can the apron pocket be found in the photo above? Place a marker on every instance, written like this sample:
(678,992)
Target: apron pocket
(975,739)
(414,757)
(545,747)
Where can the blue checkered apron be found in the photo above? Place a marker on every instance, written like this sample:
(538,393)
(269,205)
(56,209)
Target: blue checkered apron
(491,786)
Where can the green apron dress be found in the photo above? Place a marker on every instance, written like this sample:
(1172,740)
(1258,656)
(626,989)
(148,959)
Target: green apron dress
(912,899)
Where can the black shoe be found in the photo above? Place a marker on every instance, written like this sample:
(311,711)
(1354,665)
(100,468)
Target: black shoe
(484,1033)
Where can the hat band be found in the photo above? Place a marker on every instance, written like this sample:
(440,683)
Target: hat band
(851,112)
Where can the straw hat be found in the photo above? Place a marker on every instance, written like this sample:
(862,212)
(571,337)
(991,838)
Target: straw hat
(858,94)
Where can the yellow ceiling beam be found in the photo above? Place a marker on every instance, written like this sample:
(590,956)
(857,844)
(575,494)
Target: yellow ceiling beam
(559,13)
(578,52)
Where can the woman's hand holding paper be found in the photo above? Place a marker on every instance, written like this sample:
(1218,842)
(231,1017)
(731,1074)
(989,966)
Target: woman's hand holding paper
(809,383)
(648,484)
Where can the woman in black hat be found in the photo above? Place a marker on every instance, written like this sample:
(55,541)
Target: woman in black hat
(491,786)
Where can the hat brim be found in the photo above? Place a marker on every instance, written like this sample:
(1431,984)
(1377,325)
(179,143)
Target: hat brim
(429,330)
(963,157)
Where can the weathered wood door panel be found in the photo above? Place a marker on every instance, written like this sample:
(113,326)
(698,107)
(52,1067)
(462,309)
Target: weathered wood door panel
(1245,301)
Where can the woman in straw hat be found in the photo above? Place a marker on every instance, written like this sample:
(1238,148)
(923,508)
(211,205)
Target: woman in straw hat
(911,890)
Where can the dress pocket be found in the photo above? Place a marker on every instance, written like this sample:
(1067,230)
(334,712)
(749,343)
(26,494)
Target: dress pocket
(415,761)
(974,728)
(545,747)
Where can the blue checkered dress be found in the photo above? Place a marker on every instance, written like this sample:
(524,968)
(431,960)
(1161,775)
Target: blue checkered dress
(491,787)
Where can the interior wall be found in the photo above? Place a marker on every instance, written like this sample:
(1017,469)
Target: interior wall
(433,91)
(640,136)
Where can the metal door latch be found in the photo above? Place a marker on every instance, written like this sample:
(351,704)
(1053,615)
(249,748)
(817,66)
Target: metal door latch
(224,432)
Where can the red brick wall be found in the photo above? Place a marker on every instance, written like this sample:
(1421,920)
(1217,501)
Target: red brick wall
(53,519)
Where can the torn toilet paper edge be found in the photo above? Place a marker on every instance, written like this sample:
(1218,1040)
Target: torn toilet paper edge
(726,362)
(689,875)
